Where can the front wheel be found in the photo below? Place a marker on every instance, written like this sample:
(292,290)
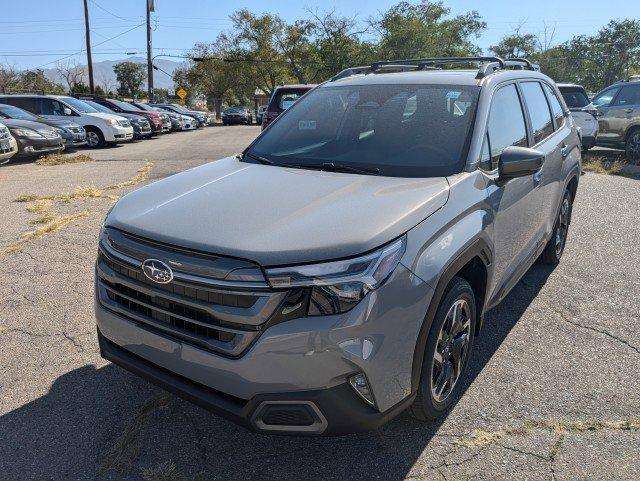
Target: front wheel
(447,352)
(95,139)
(632,147)
(555,246)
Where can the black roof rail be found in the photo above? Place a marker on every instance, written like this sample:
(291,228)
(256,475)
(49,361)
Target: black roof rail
(489,65)
(523,63)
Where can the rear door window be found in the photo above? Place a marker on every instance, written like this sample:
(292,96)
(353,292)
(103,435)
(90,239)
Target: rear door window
(556,108)
(539,113)
(629,95)
(506,122)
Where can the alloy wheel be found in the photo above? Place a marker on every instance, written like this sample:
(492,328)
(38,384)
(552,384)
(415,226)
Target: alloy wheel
(563,226)
(92,139)
(451,350)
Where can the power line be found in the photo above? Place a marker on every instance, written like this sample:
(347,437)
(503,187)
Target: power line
(107,11)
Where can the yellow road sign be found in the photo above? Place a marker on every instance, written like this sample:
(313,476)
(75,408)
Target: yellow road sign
(182,93)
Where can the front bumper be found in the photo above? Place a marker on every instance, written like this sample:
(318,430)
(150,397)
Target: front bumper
(588,141)
(8,153)
(33,147)
(118,133)
(306,360)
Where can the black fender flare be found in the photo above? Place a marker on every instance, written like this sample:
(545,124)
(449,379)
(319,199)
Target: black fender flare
(477,248)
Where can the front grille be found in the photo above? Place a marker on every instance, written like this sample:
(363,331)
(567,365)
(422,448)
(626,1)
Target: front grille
(198,306)
(172,313)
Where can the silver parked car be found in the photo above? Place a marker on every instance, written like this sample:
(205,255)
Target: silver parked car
(388,210)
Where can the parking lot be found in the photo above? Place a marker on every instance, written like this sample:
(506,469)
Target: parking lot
(551,392)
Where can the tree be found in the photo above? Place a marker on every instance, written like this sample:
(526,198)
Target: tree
(426,30)
(35,80)
(516,45)
(73,74)
(9,78)
(130,76)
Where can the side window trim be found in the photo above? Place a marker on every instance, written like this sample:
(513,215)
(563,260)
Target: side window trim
(486,136)
(525,113)
(553,117)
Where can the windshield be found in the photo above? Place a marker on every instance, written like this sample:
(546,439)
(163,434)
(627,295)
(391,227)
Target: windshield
(179,108)
(146,107)
(123,105)
(575,98)
(12,112)
(79,105)
(99,107)
(396,130)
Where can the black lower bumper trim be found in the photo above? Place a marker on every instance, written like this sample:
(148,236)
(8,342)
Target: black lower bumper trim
(345,413)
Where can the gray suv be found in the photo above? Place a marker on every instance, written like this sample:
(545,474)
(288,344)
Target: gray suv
(619,117)
(338,270)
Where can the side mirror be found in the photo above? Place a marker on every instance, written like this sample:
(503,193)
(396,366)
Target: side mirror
(67,111)
(519,162)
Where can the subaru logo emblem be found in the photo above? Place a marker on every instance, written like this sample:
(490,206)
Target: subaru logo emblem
(157,271)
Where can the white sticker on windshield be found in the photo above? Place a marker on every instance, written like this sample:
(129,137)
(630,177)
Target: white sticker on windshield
(307,125)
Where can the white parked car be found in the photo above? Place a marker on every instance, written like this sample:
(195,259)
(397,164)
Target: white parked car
(8,145)
(102,128)
(582,111)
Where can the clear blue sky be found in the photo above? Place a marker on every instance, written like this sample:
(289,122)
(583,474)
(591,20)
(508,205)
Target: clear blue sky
(37,33)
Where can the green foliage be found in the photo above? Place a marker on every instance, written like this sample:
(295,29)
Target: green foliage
(516,45)
(130,76)
(425,30)
(27,81)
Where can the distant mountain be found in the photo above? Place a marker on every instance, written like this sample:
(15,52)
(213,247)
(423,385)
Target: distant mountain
(103,72)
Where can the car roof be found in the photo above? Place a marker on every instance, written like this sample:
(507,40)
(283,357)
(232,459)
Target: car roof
(569,85)
(435,77)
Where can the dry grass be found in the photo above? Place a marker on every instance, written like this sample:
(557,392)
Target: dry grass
(483,438)
(602,165)
(141,176)
(166,471)
(59,159)
(53,223)
(126,448)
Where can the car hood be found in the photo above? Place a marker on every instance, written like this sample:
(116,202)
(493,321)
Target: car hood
(274,215)
(27,124)
(63,123)
(104,115)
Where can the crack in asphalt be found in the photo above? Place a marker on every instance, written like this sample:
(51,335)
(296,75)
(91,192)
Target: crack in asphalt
(600,331)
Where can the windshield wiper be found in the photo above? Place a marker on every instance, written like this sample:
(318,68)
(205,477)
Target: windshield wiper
(262,160)
(349,168)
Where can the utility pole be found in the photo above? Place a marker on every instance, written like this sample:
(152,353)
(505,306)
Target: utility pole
(88,39)
(150,8)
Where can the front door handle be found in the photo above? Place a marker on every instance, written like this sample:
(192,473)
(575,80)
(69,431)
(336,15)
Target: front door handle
(537,177)
(628,111)
(564,151)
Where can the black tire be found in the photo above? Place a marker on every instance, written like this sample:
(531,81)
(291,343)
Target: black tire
(428,405)
(97,139)
(555,245)
(632,147)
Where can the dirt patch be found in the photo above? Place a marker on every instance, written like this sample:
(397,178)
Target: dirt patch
(59,159)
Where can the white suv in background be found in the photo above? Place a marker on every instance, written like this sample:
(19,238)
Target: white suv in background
(582,111)
(102,128)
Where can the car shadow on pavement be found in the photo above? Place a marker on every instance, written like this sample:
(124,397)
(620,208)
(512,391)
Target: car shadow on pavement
(103,423)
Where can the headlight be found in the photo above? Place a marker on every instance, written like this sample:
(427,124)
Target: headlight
(60,131)
(338,286)
(112,122)
(22,132)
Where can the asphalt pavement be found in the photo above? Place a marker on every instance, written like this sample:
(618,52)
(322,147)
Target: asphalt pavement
(552,393)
